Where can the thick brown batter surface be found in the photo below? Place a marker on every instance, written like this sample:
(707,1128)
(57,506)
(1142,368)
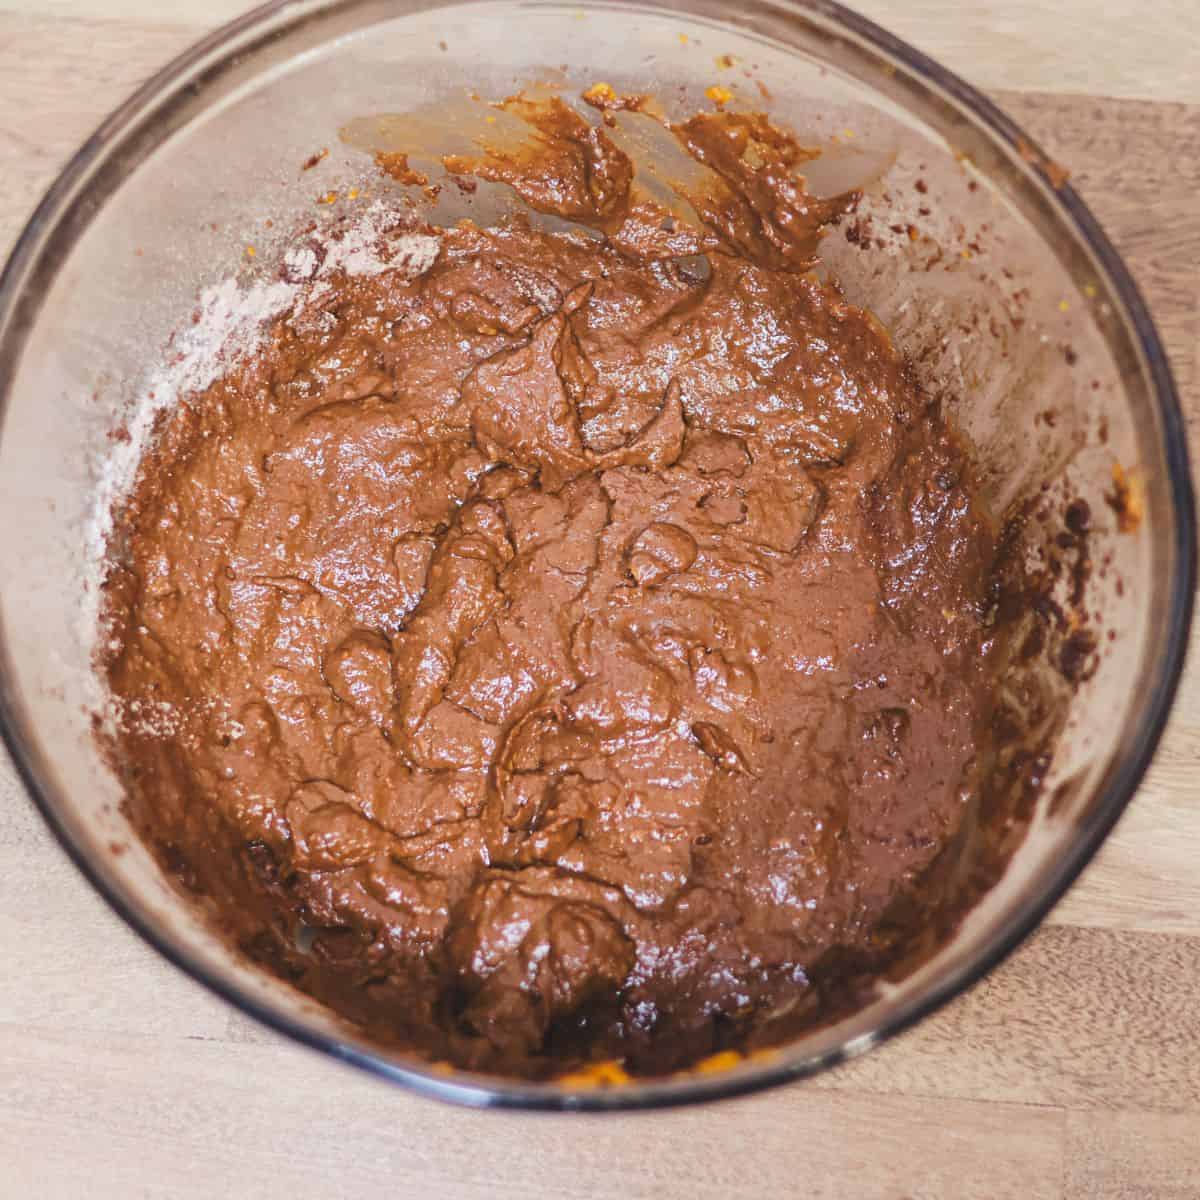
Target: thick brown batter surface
(576,651)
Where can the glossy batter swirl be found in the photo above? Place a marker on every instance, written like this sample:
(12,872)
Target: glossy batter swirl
(574,651)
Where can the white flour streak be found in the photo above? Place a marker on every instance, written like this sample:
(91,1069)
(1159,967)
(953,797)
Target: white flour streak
(230,323)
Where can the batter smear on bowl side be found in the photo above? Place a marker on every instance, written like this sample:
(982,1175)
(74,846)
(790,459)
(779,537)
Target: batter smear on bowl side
(570,646)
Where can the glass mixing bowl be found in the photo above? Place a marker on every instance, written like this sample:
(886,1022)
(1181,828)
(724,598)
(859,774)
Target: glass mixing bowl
(1005,292)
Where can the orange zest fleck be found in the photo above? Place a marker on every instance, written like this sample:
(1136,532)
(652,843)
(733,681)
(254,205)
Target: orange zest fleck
(599,92)
(601,1074)
(725,1060)
(766,1054)
(1128,499)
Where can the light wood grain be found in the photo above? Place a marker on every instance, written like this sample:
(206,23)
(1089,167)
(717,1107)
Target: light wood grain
(1118,49)
(1080,1018)
(1133,1156)
(1072,1072)
(263,1120)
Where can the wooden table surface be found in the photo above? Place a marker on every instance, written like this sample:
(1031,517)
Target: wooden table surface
(1072,1071)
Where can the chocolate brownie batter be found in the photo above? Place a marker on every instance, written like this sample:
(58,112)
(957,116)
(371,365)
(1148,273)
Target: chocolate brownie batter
(576,651)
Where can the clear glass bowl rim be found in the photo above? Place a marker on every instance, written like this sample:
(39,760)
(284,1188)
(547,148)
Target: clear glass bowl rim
(61,217)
